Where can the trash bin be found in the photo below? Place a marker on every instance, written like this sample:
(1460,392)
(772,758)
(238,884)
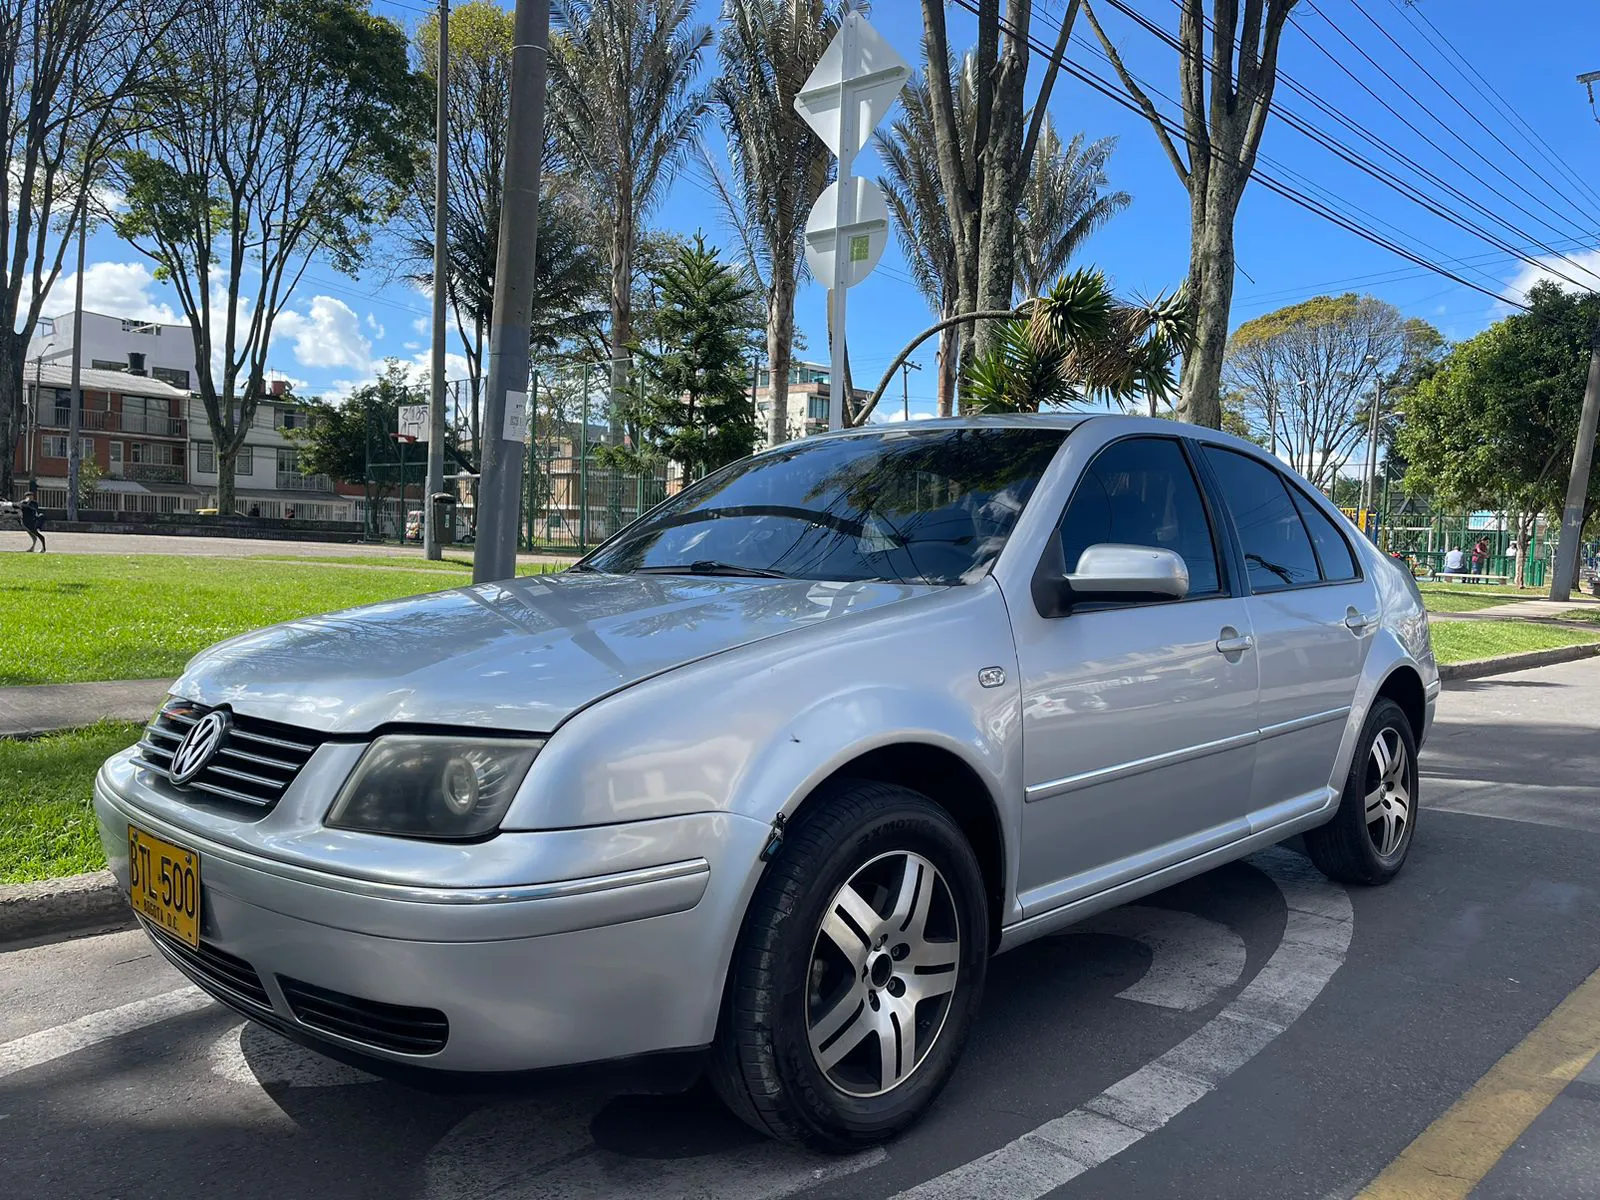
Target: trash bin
(444,517)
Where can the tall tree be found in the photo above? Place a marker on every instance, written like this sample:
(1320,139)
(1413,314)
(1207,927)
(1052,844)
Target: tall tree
(74,74)
(767,50)
(625,111)
(1080,344)
(569,302)
(1222,128)
(983,178)
(915,192)
(288,135)
(1496,423)
(1310,370)
(697,409)
(1063,202)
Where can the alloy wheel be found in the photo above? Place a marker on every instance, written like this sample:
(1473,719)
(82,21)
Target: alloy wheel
(883,972)
(1388,792)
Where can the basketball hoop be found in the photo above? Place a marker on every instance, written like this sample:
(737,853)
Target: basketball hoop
(407,438)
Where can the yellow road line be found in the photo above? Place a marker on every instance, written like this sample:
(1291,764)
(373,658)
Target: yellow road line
(1452,1155)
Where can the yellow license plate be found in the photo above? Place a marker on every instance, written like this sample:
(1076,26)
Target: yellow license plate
(164,885)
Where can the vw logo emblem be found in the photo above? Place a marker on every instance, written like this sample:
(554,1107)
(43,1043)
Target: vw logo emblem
(203,740)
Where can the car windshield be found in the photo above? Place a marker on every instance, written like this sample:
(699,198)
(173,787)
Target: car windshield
(906,505)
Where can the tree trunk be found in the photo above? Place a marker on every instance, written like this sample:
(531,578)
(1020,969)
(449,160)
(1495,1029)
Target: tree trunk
(780,353)
(946,361)
(227,456)
(1211,267)
(621,312)
(13,347)
(1001,187)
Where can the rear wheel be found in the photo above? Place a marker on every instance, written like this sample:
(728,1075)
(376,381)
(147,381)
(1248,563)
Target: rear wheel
(1369,837)
(857,973)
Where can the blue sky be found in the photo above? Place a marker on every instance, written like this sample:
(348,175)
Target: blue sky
(339,329)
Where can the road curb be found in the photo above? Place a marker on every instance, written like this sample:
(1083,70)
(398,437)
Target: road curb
(62,907)
(1504,663)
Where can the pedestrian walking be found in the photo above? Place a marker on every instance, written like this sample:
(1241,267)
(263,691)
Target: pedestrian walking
(32,521)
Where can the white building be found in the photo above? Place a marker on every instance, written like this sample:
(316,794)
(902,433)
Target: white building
(807,401)
(164,352)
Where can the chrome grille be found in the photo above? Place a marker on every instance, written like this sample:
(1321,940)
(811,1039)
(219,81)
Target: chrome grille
(254,764)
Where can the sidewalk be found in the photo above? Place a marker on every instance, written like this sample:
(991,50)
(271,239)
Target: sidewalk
(25,711)
(1521,610)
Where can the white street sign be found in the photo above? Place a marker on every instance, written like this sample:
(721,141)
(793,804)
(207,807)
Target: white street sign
(516,427)
(855,83)
(414,421)
(873,75)
(862,233)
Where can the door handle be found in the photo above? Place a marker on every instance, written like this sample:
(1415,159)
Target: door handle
(1357,622)
(1235,643)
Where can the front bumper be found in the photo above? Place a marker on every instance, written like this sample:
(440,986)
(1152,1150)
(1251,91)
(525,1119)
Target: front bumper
(608,957)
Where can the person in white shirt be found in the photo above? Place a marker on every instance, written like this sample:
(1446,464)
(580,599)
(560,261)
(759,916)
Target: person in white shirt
(1453,561)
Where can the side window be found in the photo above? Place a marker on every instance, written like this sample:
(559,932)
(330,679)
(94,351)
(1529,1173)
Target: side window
(1141,492)
(1333,552)
(1277,550)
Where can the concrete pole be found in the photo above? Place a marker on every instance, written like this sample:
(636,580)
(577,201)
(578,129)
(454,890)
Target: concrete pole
(1578,481)
(434,483)
(75,419)
(501,488)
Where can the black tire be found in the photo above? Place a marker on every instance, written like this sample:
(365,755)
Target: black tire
(762,1063)
(1347,848)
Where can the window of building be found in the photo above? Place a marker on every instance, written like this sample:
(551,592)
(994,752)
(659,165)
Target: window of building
(817,408)
(103,364)
(1141,492)
(288,462)
(1277,549)
(171,375)
(56,445)
(158,453)
(205,459)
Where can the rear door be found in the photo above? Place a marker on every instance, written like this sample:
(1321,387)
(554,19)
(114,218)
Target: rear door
(1313,615)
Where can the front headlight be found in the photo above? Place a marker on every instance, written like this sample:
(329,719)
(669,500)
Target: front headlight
(428,786)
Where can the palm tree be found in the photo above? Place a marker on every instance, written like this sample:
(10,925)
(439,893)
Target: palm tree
(1080,344)
(625,112)
(921,219)
(767,50)
(1063,202)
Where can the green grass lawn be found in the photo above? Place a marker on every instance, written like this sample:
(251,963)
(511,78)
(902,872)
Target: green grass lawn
(47,825)
(1482,589)
(74,617)
(1464,641)
(1449,600)
(1591,614)
(460,566)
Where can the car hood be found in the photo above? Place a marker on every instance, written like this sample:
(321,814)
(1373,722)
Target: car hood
(522,655)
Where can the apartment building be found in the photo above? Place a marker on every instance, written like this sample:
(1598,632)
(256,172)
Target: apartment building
(112,343)
(807,403)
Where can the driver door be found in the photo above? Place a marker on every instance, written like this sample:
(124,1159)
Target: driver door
(1139,718)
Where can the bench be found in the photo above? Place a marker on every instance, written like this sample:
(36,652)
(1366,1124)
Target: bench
(1468,577)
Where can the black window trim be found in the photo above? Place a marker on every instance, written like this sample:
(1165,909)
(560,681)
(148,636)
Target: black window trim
(1237,544)
(1229,578)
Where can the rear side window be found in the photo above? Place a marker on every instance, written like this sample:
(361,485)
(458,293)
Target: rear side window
(1277,549)
(1333,552)
(1141,492)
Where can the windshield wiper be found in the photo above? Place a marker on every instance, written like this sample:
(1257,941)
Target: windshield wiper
(710,566)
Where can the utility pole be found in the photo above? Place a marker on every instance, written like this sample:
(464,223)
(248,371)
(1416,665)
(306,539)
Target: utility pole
(75,418)
(434,483)
(1369,481)
(505,414)
(905,388)
(1578,481)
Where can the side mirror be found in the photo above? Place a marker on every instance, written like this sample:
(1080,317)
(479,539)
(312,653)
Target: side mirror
(1113,572)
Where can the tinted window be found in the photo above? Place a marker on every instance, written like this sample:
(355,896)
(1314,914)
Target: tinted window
(1333,552)
(1277,552)
(1140,492)
(924,506)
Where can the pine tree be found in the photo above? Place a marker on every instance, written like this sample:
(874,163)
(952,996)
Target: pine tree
(697,408)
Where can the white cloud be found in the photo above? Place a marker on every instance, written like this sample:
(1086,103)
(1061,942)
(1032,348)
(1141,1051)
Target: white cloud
(423,326)
(1583,269)
(117,289)
(329,335)
(894,415)
(372,324)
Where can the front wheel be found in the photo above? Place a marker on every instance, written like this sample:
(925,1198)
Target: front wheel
(857,973)
(1370,835)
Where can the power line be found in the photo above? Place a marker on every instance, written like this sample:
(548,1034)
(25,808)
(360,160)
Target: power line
(1388,178)
(1115,93)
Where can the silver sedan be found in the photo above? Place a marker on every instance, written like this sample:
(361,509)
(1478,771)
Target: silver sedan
(765,780)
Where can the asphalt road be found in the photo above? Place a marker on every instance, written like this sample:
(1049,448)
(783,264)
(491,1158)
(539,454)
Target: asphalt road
(1255,1032)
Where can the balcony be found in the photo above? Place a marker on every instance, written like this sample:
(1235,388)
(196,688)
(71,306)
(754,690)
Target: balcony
(152,472)
(98,420)
(293,481)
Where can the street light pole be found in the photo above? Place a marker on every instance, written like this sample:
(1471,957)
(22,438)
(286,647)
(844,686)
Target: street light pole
(514,276)
(905,388)
(434,484)
(75,419)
